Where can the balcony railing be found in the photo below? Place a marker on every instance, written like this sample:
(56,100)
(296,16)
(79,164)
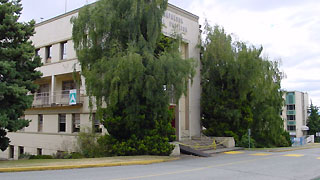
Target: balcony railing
(57,98)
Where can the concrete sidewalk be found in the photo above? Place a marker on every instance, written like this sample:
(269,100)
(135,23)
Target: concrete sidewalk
(57,164)
(284,149)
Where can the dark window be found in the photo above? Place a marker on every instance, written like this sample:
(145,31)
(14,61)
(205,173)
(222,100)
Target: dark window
(21,150)
(291,107)
(291,128)
(11,151)
(291,117)
(42,95)
(39,151)
(96,124)
(62,122)
(48,54)
(63,50)
(40,122)
(66,87)
(75,122)
(37,52)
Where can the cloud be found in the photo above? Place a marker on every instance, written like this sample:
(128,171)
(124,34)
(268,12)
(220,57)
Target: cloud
(287,29)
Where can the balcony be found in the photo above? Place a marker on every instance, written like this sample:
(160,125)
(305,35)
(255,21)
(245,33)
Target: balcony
(58,98)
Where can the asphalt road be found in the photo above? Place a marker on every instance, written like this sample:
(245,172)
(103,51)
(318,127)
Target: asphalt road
(299,164)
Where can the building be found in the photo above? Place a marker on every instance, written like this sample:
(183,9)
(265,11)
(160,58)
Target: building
(60,107)
(295,113)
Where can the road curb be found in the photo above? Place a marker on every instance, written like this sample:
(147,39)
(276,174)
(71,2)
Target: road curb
(294,149)
(61,167)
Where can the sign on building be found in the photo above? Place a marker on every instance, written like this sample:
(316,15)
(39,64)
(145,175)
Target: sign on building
(73,96)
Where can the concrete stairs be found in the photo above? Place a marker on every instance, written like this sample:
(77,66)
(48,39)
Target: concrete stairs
(203,146)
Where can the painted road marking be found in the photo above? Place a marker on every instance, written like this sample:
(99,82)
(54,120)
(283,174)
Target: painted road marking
(293,155)
(234,152)
(194,169)
(260,154)
(318,158)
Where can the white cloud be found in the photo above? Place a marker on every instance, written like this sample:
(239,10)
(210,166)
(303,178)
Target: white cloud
(288,30)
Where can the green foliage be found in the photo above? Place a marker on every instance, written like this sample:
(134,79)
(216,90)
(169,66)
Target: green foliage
(17,69)
(41,157)
(128,68)
(240,90)
(67,155)
(149,145)
(87,143)
(244,142)
(24,156)
(313,121)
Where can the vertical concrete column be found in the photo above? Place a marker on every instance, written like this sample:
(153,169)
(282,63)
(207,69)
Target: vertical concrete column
(68,123)
(53,85)
(179,123)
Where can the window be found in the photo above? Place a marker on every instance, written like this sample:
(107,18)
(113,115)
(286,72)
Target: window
(96,124)
(66,87)
(62,122)
(75,122)
(291,117)
(37,52)
(40,122)
(21,150)
(11,151)
(39,151)
(291,128)
(291,107)
(42,95)
(63,50)
(48,54)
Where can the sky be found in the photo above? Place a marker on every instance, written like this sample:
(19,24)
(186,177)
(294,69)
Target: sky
(288,30)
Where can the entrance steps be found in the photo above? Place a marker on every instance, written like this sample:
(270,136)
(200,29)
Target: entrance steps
(205,146)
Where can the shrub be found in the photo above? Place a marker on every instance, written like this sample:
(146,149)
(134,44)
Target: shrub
(149,145)
(41,157)
(24,156)
(284,140)
(244,142)
(87,144)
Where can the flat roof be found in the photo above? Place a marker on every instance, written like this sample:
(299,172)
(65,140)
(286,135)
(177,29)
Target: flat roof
(187,14)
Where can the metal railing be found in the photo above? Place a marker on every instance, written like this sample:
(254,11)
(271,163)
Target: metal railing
(56,98)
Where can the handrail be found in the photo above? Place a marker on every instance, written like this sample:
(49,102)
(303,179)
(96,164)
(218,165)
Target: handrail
(57,98)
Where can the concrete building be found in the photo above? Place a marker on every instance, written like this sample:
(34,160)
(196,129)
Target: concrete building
(60,107)
(295,113)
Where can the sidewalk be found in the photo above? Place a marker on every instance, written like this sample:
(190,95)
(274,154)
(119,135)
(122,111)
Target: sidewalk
(284,149)
(56,164)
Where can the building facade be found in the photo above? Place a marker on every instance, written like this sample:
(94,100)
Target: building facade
(295,113)
(61,108)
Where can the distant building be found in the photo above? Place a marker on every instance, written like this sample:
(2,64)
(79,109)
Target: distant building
(60,107)
(295,113)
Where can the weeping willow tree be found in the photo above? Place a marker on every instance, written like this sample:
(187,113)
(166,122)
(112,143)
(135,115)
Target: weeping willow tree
(127,62)
(240,90)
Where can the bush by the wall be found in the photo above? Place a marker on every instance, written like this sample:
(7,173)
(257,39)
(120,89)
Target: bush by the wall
(41,157)
(244,142)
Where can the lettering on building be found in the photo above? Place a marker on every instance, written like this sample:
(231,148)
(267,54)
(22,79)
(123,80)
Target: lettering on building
(174,21)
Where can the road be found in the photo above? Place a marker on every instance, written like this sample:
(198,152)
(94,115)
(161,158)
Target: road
(299,164)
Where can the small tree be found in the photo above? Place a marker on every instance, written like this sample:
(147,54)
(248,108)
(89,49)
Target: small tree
(313,121)
(17,69)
